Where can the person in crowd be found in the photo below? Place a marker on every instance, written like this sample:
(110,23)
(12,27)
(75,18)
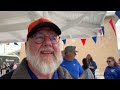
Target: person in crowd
(11,66)
(7,67)
(92,64)
(112,71)
(43,53)
(4,67)
(87,72)
(72,64)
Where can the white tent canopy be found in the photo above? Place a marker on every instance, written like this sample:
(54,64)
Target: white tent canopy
(14,24)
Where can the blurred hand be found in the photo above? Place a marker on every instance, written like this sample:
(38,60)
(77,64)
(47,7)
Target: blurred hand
(91,67)
(82,76)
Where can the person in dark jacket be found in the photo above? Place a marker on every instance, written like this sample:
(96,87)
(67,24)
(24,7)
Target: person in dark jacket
(112,71)
(92,64)
(43,54)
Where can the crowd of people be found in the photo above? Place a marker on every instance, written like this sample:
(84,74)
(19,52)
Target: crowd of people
(6,67)
(44,59)
(86,71)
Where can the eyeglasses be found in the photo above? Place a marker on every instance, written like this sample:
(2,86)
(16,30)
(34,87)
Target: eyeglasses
(40,38)
(108,61)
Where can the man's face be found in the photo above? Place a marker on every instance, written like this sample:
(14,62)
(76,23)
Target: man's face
(46,56)
(72,55)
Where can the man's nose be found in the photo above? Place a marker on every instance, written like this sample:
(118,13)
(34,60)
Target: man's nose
(47,41)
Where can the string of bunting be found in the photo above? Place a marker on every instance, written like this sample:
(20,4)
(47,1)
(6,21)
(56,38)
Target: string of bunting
(83,40)
(100,31)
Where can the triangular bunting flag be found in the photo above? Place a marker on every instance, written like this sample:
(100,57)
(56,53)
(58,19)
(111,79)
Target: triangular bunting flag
(118,14)
(102,27)
(100,31)
(64,41)
(111,23)
(83,41)
(94,39)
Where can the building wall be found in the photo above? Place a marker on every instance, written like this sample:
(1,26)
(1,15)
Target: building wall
(105,47)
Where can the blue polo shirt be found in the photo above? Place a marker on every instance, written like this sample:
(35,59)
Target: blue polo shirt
(33,76)
(73,67)
(112,72)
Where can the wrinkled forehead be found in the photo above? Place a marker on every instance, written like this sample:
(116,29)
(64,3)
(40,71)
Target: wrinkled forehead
(46,30)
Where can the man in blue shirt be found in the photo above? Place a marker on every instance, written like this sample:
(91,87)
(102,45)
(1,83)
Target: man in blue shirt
(71,64)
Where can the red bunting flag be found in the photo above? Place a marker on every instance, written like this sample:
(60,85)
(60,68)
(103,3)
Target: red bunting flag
(83,41)
(100,31)
(112,26)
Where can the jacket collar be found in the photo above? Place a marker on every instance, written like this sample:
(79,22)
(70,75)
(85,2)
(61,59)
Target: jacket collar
(21,72)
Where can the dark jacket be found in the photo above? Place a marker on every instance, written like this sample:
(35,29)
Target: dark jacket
(21,72)
(93,63)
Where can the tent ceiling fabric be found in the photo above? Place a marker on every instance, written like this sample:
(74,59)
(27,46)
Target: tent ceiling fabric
(14,24)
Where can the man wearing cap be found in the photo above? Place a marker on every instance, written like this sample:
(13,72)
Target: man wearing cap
(71,64)
(43,54)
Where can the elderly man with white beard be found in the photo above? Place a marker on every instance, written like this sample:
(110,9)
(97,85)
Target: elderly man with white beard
(43,54)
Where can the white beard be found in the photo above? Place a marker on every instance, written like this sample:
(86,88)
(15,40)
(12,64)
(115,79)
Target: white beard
(44,65)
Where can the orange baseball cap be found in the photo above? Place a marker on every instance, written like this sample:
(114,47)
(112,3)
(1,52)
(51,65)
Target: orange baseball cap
(39,23)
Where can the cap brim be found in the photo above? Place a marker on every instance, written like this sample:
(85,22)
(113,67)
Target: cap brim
(44,24)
